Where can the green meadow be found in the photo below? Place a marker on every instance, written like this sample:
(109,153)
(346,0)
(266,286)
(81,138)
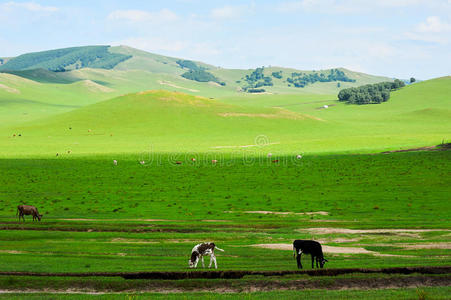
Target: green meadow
(201,162)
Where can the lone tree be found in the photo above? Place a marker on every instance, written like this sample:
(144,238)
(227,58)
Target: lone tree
(412,80)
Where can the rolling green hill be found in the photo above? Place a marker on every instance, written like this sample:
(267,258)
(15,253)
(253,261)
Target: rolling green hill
(164,121)
(127,59)
(66,59)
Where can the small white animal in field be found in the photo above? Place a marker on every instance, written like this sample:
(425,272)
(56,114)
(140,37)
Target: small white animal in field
(298,156)
(326,106)
(115,162)
(270,155)
(199,251)
(213,161)
(193,159)
(142,162)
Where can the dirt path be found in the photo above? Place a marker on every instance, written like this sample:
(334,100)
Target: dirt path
(214,274)
(329,249)
(232,286)
(333,230)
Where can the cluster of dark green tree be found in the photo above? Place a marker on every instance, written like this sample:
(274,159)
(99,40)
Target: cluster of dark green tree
(66,59)
(300,80)
(256,80)
(197,73)
(370,93)
(188,64)
(277,75)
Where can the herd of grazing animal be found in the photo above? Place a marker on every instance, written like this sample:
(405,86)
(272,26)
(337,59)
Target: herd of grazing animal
(203,249)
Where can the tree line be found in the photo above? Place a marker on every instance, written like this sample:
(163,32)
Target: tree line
(300,80)
(256,80)
(197,73)
(370,93)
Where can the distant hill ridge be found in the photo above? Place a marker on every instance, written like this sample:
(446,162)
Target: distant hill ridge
(66,59)
(55,66)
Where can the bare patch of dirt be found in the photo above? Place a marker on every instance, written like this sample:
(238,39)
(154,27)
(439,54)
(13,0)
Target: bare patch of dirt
(331,230)
(280,114)
(267,212)
(9,89)
(328,249)
(443,245)
(168,83)
(214,221)
(12,251)
(231,286)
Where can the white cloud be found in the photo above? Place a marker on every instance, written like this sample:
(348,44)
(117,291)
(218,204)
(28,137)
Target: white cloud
(433,24)
(29,6)
(433,30)
(229,12)
(346,6)
(139,16)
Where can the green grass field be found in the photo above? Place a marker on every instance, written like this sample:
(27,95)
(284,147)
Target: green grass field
(148,217)
(60,135)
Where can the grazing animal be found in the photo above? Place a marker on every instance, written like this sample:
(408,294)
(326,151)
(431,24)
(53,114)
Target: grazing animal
(308,247)
(213,161)
(178,162)
(198,253)
(275,161)
(269,155)
(298,156)
(193,159)
(115,162)
(142,162)
(28,210)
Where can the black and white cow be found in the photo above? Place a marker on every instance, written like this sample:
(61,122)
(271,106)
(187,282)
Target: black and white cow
(199,251)
(309,247)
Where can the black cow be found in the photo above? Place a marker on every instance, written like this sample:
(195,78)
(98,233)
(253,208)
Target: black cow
(309,247)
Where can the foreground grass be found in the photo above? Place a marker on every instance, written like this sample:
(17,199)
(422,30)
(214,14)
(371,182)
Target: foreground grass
(130,217)
(403,293)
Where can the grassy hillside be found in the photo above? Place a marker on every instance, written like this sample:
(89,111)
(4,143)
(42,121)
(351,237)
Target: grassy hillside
(176,122)
(154,68)
(66,59)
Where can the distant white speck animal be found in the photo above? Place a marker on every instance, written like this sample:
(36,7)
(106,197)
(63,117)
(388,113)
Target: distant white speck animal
(214,161)
(326,106)
(115,162)
(298,156)
(193,159)
(269,154)
(142,162)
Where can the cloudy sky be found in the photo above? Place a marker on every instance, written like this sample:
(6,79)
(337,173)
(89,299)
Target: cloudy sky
(398,38)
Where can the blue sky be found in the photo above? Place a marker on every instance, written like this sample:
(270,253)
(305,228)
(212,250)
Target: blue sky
(398,38)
